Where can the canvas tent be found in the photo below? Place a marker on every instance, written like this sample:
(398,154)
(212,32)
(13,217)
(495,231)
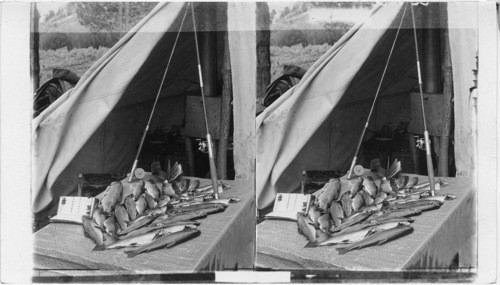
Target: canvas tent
(317,123)
(96,127)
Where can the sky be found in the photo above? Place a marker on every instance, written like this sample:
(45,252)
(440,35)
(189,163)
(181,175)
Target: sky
(45,7)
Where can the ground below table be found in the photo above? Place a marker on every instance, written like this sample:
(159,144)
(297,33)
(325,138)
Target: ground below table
(438,237)
(226,242)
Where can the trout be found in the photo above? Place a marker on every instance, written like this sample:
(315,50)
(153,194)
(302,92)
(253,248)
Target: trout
(371,208)
(369,186)
(355,236)
(121,216)
(179,217)
(151,201)
(143,239)
(137,188)
(357,202)
(346,204)
(151,228)
(403,213)
(305,228)
(183,185)
(91,231)
(324,222)
(356,186)
(401,182)
(199,207)
(412,182)
(99,218)
(352,221)
(152,189)
(378,238)
(321,236)
(194,185)
(314,215)
(137,223)
(130,207)
(167,189)
(110,225)
(164,201)
(165,241)
(141,204)
(337,213)
(380,197)
(368,200)
(386,187)
(226,201)
(112,196)
(330,193)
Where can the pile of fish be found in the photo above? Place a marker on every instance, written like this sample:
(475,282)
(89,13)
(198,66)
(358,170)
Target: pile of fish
(369,211)
(159,212)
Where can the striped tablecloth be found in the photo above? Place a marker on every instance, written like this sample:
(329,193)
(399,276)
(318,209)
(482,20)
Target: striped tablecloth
(227,241)
(439,238)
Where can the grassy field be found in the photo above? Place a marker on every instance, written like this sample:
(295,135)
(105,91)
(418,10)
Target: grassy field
(79,60)
(76,60)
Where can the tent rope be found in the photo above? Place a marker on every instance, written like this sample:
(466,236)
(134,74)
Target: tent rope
(211,158)
(351,169)
(136,160)
(430,167)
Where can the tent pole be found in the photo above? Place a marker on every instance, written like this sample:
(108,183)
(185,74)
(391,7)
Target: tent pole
(35,39)
(447,108)
(226,112)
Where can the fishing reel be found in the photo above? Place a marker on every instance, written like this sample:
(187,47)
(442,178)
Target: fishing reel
(421,143)
(202,145)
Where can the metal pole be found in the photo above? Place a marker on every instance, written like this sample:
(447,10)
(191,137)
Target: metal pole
(430,167)
(211,158)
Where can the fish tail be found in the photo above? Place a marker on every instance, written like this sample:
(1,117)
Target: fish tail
(342,250)
(99,248)
(131,253)
(311,244)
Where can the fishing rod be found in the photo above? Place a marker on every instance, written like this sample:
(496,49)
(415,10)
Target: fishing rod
(430,167)
(143,138)
(211,159)
(355,158)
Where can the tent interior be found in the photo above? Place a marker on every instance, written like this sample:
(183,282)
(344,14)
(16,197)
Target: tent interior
(102,135)
(316,124)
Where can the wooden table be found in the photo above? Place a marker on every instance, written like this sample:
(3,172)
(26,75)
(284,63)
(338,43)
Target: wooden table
(439,238)
(227,241)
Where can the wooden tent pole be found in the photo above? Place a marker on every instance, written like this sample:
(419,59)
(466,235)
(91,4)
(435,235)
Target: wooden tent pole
(35,39)
(447,108)
(263,39)
(225,112)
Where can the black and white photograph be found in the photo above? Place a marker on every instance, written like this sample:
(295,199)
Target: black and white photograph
(249,142)
(367,141)
(142,152)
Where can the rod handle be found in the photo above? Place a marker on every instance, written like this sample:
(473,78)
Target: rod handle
(134,166)
(430,166)
(351,169)
(213,169)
